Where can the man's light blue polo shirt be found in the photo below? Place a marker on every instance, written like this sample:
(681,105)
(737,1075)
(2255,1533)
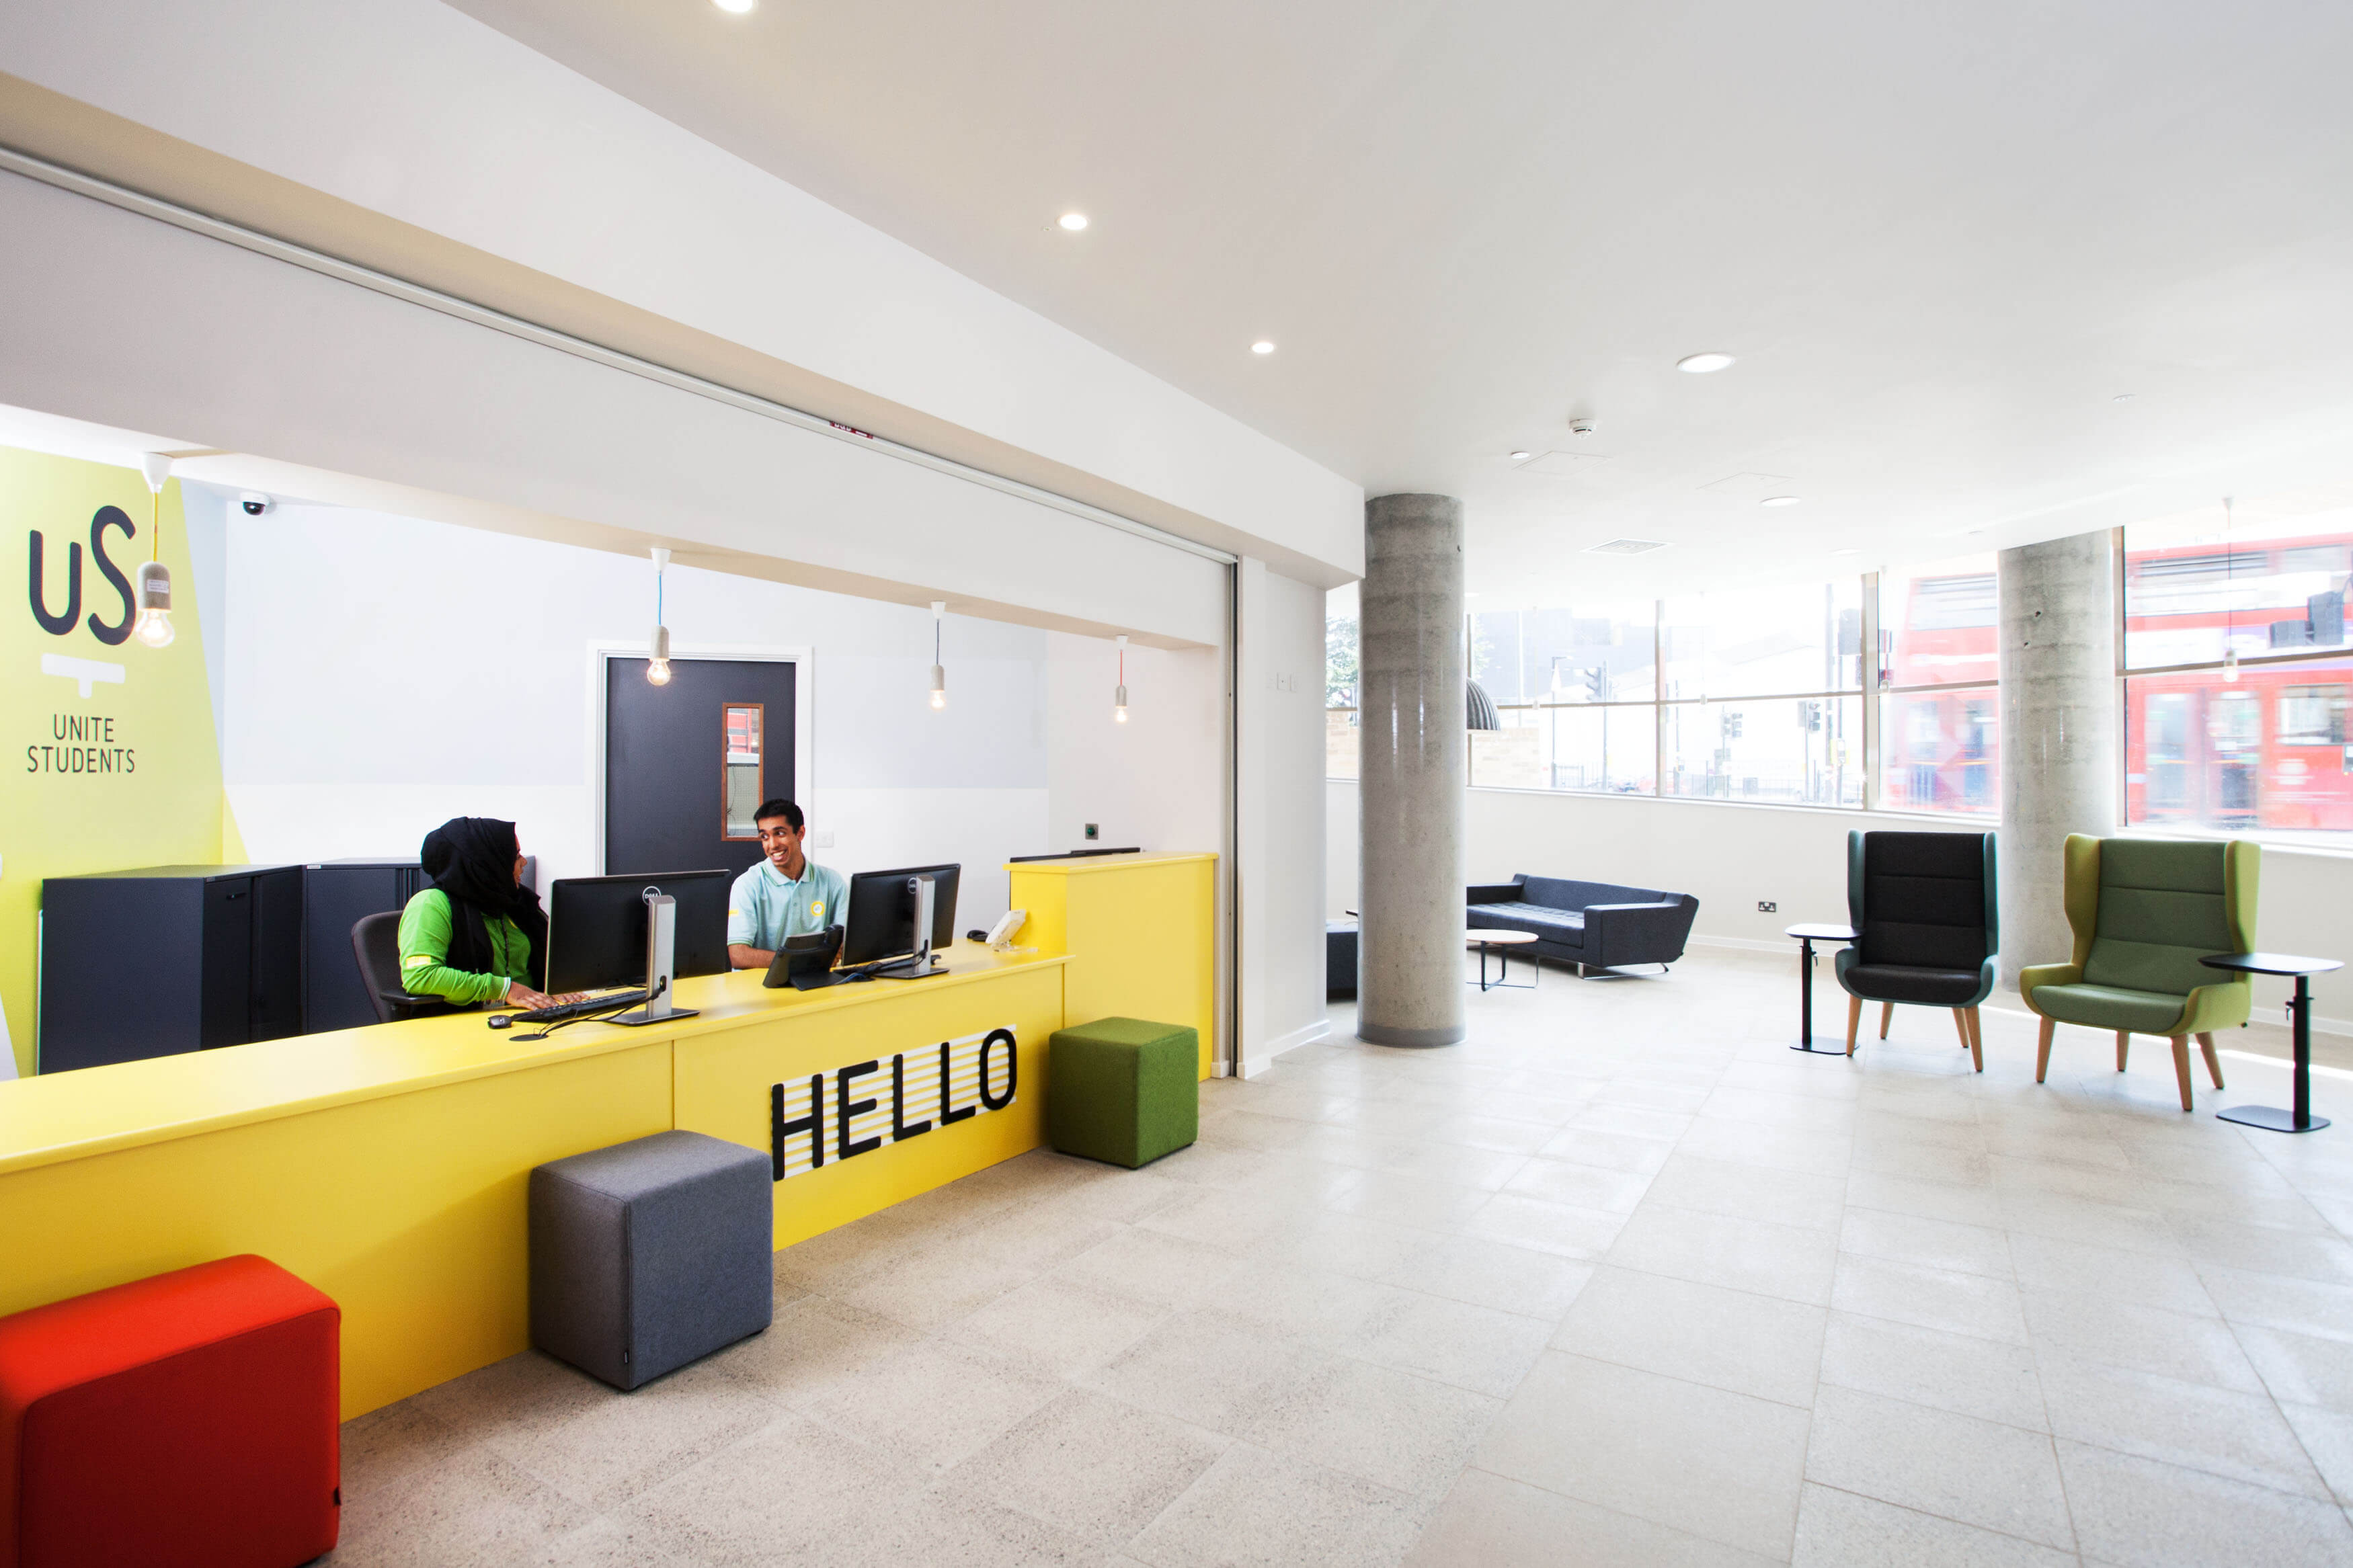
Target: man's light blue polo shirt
(766,906)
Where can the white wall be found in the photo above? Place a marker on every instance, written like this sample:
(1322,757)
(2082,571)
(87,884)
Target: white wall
(382,674)
(1279,813)
(415,110)
(1730,857)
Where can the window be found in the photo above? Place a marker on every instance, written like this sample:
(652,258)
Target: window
(1340,750)
(1940,707)
(742,777)
(2236,667)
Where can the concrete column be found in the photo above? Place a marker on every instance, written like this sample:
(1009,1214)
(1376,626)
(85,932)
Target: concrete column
(1412,729)
(2060,719)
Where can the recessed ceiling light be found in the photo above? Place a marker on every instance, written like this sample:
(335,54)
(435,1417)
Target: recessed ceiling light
(1779,501)
(1261,347)
(1846,552)
(1072,221)
(1703,364)
(2122,398)
(735,8)
(1522,456)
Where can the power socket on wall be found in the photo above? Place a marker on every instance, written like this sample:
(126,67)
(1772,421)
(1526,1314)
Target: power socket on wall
(1766,906)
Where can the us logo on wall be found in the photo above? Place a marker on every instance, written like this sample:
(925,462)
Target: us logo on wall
(855,1109)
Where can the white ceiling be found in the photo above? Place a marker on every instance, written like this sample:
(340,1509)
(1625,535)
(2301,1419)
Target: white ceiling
(1941,240)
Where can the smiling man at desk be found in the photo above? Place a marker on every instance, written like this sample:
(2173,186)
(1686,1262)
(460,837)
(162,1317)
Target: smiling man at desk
(784,895)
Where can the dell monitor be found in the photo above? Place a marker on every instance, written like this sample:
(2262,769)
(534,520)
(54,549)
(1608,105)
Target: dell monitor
(881,922)
(597,928)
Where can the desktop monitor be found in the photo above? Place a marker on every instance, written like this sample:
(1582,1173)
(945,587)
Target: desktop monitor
(882,913)
(597,928)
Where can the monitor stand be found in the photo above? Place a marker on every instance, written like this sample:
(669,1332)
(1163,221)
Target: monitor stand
(920,963)
(662,948)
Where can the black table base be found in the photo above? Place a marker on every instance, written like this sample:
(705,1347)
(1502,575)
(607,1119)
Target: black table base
(1503,953)
(1806,1006)
(2272,1119)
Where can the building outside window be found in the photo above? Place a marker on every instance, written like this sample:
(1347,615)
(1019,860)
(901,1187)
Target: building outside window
(2237,667)
(1940,706)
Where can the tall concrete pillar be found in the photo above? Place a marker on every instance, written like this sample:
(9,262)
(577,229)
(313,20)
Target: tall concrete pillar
(2060,719)
(1412,729)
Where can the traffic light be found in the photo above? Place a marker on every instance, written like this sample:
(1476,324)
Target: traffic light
(1810,713)
(1597,684)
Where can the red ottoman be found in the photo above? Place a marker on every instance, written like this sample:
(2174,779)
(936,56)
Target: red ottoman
(188,1419)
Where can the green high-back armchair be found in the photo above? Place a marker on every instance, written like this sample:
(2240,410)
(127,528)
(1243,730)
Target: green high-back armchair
(2145,911)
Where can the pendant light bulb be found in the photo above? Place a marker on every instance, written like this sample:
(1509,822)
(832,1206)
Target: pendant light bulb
(2231,665)
(1119,698)
(939,671)
(658,665)
(153,626)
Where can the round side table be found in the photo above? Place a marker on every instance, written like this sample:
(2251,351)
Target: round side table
(1807,936)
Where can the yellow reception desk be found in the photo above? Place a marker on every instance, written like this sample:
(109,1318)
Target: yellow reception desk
(388,1165)
(1141,930)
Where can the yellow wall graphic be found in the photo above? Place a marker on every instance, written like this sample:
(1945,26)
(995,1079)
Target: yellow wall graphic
(108,759)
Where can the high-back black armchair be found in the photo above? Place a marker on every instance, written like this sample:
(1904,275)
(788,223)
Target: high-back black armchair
(1924,904)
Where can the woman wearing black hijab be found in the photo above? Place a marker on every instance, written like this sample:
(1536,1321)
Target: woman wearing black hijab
(477,934)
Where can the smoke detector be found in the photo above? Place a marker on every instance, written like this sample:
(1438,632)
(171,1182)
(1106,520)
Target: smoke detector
(1626,547)
(1582,427)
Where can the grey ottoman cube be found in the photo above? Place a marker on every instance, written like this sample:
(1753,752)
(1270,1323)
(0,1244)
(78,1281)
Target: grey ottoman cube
(650,1253)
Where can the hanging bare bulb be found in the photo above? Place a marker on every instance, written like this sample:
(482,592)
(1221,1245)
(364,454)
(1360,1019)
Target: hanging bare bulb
(153,626)
(658,666)
(939,671)
(2230,664)
(1119,699)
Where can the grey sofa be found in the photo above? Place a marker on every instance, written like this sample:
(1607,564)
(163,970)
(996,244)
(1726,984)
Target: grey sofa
(1594,925)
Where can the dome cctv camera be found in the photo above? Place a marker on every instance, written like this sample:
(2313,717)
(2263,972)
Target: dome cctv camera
(254,502)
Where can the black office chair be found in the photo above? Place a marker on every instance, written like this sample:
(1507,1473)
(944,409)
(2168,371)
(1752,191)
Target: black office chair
(1925,906)
(376,943)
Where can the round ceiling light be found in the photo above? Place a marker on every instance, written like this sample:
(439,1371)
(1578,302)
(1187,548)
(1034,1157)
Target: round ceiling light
(1073,221)
(1261,347)
(1522,456)
(1703,364)
(735,8)
(1846,552)
(1779,501)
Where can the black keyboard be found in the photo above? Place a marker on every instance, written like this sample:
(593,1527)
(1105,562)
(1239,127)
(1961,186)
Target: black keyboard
(563,1013)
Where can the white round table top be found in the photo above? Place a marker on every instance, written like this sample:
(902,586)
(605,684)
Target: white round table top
(1500,938)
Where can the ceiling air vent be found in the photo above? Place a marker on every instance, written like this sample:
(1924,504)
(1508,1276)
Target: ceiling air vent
(1627,547)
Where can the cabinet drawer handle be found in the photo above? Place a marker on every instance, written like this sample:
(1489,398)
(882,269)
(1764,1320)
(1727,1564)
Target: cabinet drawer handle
(235,895)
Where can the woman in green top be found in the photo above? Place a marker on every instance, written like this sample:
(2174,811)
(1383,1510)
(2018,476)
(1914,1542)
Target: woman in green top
(477,934)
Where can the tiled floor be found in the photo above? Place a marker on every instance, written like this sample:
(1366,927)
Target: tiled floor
(1620,1281)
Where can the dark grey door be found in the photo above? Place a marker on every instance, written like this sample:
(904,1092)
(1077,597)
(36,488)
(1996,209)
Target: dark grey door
(686,764)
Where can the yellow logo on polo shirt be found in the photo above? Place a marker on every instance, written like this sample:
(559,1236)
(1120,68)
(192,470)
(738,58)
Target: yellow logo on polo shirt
(817,909)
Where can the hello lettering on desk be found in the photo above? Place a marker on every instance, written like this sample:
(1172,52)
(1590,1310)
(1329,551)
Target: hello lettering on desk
(847,1113)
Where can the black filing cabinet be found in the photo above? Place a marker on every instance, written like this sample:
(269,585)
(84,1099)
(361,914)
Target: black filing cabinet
(336,896)
(169,959)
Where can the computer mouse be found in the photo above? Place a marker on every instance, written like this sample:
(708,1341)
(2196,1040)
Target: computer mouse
(502,1020)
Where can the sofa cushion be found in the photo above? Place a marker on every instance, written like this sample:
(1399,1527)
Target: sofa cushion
(1561,928)
(2110,1007)
(1907,983)
(1562,893)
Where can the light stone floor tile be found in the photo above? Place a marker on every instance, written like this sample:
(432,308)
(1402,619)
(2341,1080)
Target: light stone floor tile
(1843,1529)
(1579,1186)
(1405,1433)
(1556,1228)
(1492,1523)
(2301,1369)
(1096,1466)
(2179,1345)
(1731,1340)
(1749,1192)
(2277,1301)
(1609,1151)
(2240,1435)
(1930,1243)
(2263,1249)
(1960,1372)
(1956,1467)
(1477,1348)
(1495,1274)
(1253,1508)
(1214,1371)
(1757,1255)
(1929,1200)
(1414,1201)
(1597,1432)
(469,1507)
(2327,1438)
(1763,1143)
(1312,1304)
(932,1403)
(1062,1328)
(2137,1513)
(1930,1298)
(948,1527)
(2081,1268)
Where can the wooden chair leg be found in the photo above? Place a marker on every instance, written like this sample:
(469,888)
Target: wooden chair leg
(2181,1067)
(1977,1040)
(1853,1020)
(2213,1062)
(2123,1044)
(2042,1049)
(1886,1012)
(1961,1026)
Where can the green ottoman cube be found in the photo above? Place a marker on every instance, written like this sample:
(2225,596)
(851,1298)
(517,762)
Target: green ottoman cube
(1123,1090)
